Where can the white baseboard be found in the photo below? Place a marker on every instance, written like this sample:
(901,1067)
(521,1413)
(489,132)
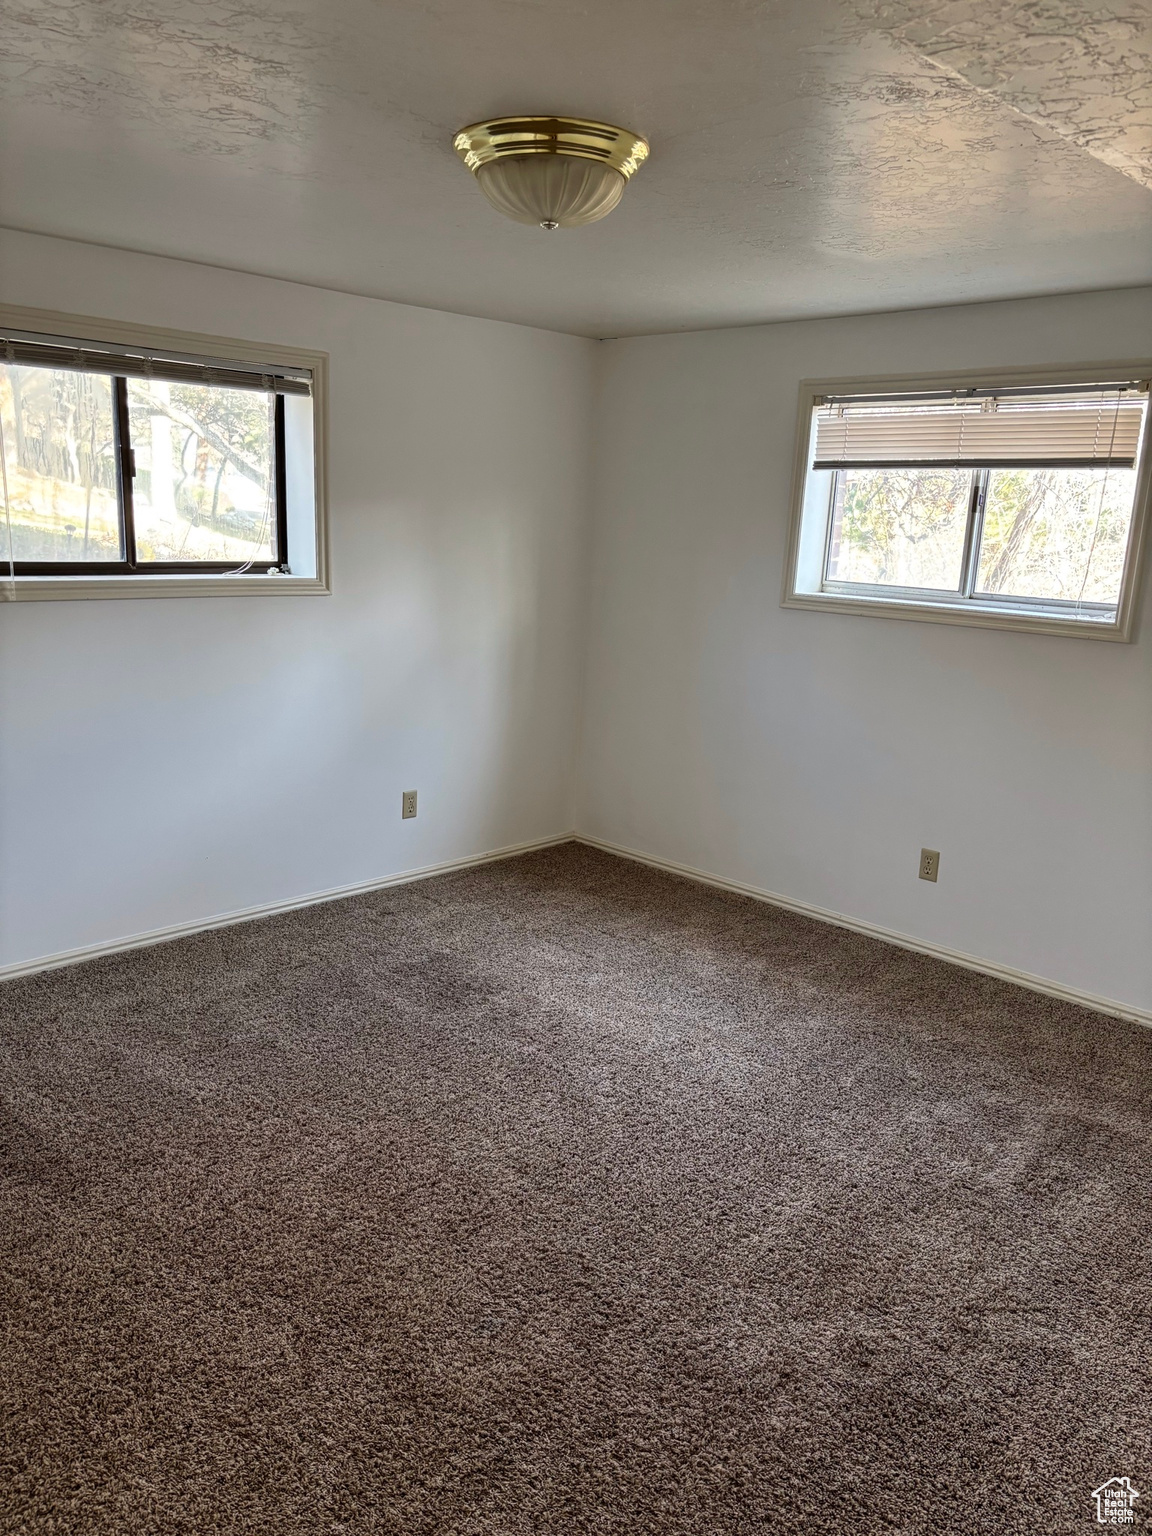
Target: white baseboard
(268,909)
(888,935)
(408,876)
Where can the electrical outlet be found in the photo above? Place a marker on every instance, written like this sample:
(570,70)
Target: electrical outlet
(408,806)
(929,862)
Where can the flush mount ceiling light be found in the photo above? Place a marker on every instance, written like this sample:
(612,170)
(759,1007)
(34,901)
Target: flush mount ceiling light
(553,171)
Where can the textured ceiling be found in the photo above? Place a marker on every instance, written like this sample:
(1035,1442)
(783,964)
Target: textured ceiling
(808,156)
(1083,70)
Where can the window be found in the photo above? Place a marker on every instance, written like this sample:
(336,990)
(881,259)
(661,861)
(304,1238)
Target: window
(149,468)
(1017,504)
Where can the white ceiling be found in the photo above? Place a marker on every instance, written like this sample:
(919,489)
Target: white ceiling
(809,157)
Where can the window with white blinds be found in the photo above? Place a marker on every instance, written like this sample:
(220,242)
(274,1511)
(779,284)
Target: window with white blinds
(138,466)
(1017,503)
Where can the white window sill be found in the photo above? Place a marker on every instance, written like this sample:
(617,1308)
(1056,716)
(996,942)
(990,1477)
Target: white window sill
(969,613)
(65,588)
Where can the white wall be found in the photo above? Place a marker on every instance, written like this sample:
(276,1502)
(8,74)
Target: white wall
(812,755)
(164,761)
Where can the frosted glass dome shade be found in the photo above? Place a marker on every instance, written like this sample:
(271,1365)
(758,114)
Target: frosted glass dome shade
(554,191)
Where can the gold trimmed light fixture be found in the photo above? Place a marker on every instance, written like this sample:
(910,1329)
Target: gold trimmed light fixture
(553,171)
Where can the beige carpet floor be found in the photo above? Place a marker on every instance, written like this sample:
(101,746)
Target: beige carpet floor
(565,1196)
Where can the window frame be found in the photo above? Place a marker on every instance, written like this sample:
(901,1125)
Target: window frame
(58,580)
(964,606)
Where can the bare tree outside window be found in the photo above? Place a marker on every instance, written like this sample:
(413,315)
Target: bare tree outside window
(60,459)
(204,469)
(1056,533)
(1053,534)
(203,488)
(900,527)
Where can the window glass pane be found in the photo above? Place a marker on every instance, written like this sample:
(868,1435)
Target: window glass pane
(900,527)
(60,459)
(204,472)
(1056,533)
